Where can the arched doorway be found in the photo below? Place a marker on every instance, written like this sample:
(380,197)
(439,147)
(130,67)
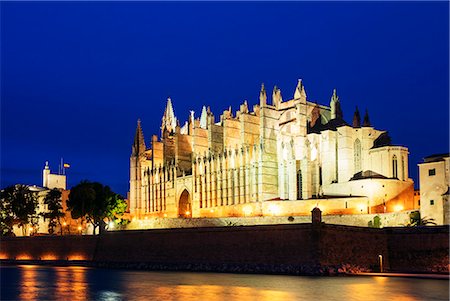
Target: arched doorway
(184,205)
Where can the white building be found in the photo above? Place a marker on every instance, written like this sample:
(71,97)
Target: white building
(50,180)
(434,188)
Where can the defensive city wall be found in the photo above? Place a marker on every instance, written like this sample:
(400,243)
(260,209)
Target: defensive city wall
(316,248)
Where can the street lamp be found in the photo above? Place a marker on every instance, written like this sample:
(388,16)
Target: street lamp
(381,263)
(79,229)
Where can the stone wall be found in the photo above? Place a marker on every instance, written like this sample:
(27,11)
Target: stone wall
(415,249)
(299,248)
(393,219)
(70,247)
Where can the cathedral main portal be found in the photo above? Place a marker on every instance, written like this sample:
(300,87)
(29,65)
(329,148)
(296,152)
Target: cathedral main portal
(184,205)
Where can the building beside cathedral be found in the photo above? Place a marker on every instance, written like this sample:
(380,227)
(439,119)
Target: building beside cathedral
(434,179)
(273,158)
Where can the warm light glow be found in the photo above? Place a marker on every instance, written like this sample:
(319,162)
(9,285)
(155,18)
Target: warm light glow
(3,256)
(31,228)
(165,214)
(274,209)
(76,257)
(187,212)
(247,210)
(64,224)
(398,208)
(49,257)
(111,225)
(320,206)
(23,257)
(361,207)
(79,228)
(29,283)
(212,210)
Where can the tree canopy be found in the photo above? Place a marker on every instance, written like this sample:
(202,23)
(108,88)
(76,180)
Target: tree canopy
(415,220)
(54,213)
(18,206)
(96,203)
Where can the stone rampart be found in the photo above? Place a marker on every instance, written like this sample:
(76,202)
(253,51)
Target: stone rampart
(294,248)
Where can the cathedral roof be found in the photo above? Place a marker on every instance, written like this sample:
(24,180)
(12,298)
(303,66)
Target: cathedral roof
(367,174)
(332,125)
(383,140)
(435,157)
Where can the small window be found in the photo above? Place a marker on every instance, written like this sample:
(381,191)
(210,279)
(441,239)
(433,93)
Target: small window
(431,202)
(432,172)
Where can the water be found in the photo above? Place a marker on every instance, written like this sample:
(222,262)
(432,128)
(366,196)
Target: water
(80,283)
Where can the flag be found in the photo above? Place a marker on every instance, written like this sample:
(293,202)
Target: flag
(66,165)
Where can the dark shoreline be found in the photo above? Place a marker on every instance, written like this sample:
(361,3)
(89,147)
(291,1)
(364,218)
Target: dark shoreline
(257,269)
(268,269)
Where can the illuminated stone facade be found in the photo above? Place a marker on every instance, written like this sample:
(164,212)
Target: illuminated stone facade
(434,179)
(277,158)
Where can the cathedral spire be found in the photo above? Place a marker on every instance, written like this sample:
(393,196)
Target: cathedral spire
(203,118)
(366,121)
(139,143)
(300,91)
(356,119)
(335,106)
(169,121)
(276,96)
(262,96)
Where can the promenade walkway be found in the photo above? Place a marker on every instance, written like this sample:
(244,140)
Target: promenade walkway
(407,275)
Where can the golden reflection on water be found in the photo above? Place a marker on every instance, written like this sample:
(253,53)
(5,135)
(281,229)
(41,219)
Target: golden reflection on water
(72,283)
(80,283)
(219,293)
(29,286)
(68,283)
(64,285)
(365,289)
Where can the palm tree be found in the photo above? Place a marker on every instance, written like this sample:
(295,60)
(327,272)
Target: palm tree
(415,220)
(54,213)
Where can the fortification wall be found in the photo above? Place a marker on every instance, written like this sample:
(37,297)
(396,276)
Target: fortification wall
(70,247)
(296,248)
(414,249)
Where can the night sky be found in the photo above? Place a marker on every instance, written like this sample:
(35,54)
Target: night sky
(76,76)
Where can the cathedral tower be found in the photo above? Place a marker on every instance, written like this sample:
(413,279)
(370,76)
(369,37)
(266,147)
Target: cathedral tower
(137,156)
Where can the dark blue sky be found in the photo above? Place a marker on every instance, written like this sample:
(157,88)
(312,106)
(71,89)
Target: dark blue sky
(75,76)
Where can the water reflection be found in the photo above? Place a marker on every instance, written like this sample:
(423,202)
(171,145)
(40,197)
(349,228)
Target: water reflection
(78,283)
(29,283)
(46,283)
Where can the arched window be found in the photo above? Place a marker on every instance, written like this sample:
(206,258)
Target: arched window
(394,167)
(357,155)
(286,181)
(299,185)
(403,168)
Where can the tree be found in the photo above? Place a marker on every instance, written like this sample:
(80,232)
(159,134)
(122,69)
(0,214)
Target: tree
(54,213)
(6,213)
(376,223)
(415,220)
(116,208)
(96,203)
(19,206)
